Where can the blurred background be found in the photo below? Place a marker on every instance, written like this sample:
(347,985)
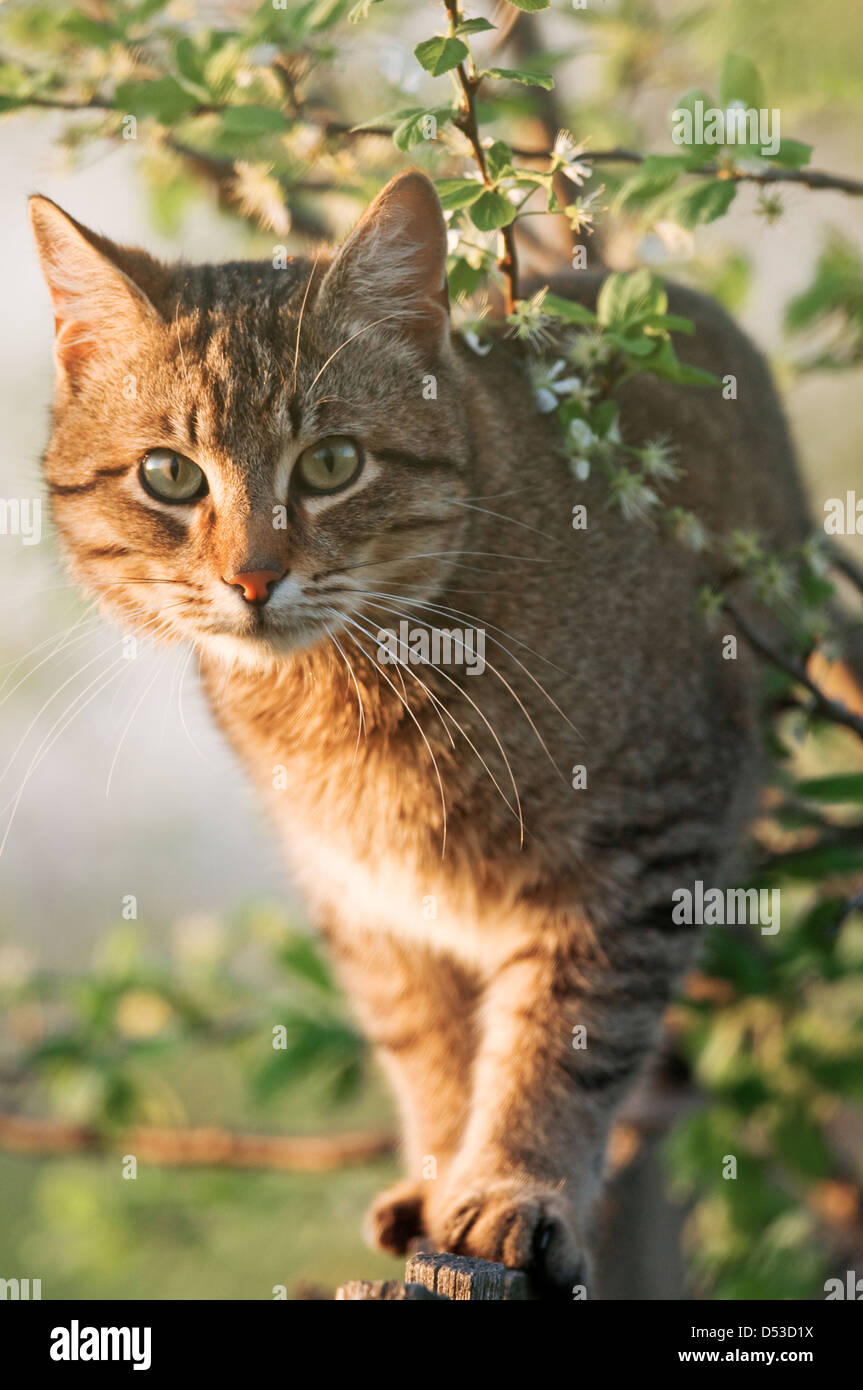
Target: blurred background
(149,939)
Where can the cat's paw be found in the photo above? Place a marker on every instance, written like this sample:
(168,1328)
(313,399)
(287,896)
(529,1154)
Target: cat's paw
(396,1217)
(521,1224)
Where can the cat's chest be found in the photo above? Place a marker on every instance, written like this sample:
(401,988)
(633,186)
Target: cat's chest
(437,903)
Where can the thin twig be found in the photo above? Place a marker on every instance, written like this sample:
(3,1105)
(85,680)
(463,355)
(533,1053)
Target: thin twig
(466,122)
(830,709)
(808,178)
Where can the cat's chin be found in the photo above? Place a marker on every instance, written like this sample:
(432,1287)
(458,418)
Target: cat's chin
(259,651)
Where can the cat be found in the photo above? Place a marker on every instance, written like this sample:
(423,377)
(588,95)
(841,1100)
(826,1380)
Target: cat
(282,466)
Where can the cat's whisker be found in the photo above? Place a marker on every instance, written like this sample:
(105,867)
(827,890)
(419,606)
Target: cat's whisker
(147,688)
(465,735)
(411,617)
(501,516)
(486,626)
(102,681)
(181,583)
(324,400)
(493,496)
(361,724)
(516,810)
(180,709)
(59,690)
(435,554)
(422,732)
(333,355)
(47,703)
(439,706)
(62,642)
(179,341)
(300,323)
(407,584)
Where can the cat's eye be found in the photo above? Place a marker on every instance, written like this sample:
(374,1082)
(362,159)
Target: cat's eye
(171,477)
(329,465)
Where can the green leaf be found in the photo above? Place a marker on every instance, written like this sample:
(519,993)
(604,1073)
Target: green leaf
(491,210)
(530,6)
(801,1143)
(190,61)
(165,99)
(253,120)
(704,202)
(739,80)
(627,299)
(411,125)
(144,10)
(475,26)
(325,14)
(458,193)
(301,958)
(817,863)
(669,323)
(687,102)
(656,175)
(567,309)
(522,75)
(665,363)
(836,289)
(314,1042)
(440,54)
(361,10)
(792,154)
(603,416)
(498,159)
(87,30)
(463,277)
(634,345)
(842,787)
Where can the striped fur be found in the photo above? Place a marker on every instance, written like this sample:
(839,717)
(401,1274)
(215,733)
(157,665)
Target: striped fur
(478,908)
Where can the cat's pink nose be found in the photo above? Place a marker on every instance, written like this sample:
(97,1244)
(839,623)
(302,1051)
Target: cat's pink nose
(256,585)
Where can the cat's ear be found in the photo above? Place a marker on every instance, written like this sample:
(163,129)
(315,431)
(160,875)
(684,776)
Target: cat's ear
(95,301)
(394,263)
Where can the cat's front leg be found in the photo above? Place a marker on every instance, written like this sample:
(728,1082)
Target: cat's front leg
(569,1021)
(416,1009)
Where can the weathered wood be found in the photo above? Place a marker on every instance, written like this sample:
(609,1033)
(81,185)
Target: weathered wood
(444,1278)
(460,1279)
(385,1291)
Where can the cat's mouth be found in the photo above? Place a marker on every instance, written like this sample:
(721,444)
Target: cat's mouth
(265,635)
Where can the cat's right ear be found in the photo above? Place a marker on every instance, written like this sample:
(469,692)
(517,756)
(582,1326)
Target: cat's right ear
(393,265)
(94,300)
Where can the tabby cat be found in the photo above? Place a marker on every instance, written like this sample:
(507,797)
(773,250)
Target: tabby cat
(280,466)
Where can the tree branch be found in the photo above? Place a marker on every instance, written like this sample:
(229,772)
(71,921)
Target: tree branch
(830,709)
(467,123)
(206,1147)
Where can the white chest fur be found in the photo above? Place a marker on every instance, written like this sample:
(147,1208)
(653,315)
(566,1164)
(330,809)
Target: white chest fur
(435,909)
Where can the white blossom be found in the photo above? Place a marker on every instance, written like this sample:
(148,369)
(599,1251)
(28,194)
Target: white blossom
(581,434)
(657,459)
(475,343)
(549,386)
(568,152)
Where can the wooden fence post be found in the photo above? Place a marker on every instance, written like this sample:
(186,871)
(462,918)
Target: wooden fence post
(446,1278)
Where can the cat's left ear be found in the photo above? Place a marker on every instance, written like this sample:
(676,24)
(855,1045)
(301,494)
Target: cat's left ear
(95,297)
(394,263)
